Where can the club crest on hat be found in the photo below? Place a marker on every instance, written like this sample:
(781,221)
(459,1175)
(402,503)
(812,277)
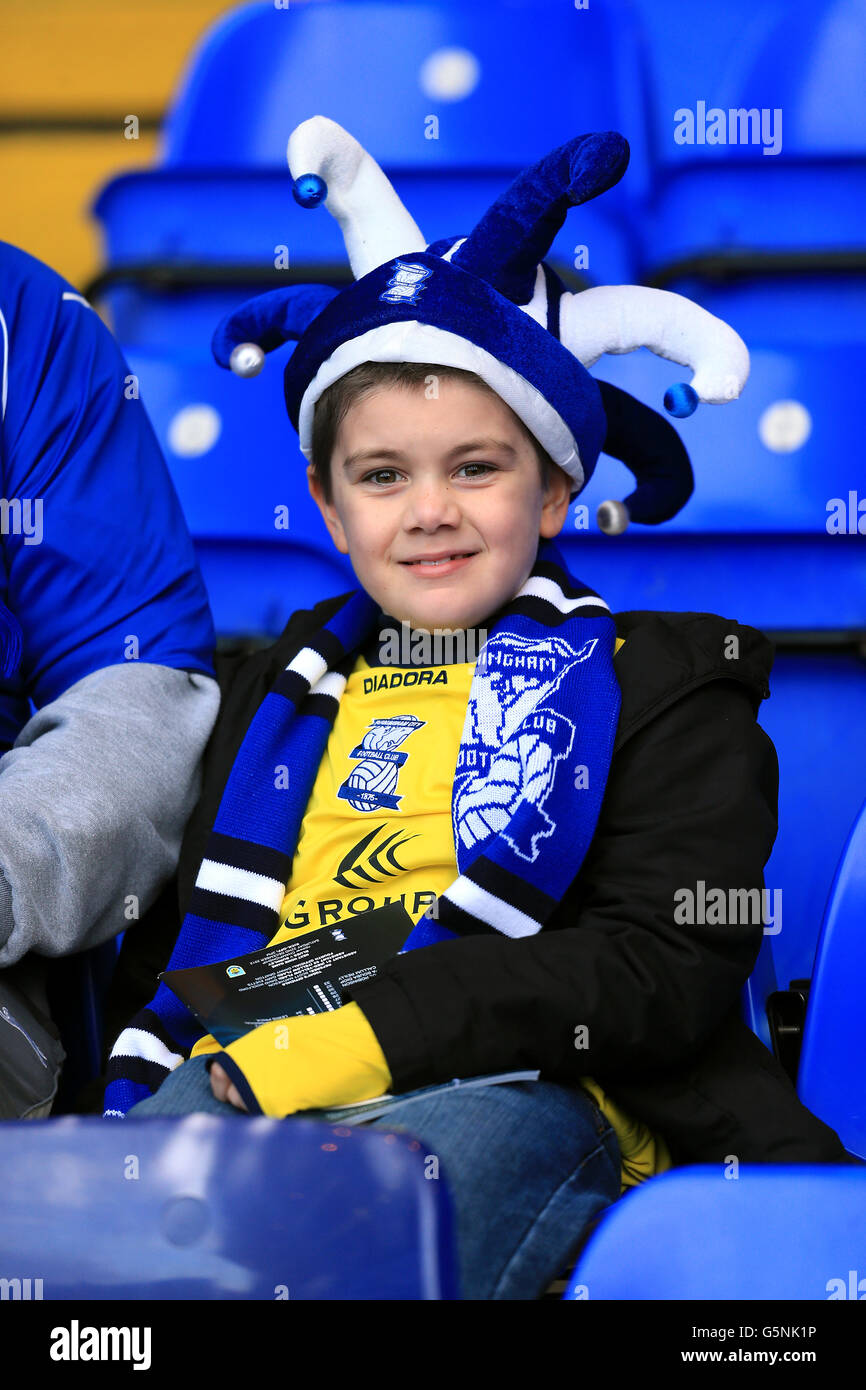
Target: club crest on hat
(406,283)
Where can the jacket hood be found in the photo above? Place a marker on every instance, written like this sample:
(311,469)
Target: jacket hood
(666,655)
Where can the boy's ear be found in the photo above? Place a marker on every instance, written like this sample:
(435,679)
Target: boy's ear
(329,512)
(554,505)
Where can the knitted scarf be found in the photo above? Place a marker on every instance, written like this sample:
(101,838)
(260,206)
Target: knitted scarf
(531,772)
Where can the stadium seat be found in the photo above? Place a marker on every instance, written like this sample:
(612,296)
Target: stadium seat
(832,1075)
(465,64)
(176,1208)
(724,197)
(766,1232)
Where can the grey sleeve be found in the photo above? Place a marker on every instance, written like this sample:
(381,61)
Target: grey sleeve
(94,797)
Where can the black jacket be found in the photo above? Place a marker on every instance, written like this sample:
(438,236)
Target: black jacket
(691,795)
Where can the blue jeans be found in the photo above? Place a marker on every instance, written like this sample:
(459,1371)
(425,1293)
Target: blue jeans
(529,1164)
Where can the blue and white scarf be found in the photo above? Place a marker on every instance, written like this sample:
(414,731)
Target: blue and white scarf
(531,772)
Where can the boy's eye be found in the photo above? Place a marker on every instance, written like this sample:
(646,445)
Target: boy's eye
(381,476)
(481,467)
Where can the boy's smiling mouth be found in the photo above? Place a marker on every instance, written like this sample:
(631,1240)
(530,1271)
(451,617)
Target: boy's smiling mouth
(444,562)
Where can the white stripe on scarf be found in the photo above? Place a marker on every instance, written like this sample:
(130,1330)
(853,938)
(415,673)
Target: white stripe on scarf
(135,1042)
(241,883)
(539,587)
(308,663)
(496,912)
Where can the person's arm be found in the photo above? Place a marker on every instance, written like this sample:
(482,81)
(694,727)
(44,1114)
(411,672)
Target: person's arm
(310,1062)
(621,987)
(117,634)
(94,798)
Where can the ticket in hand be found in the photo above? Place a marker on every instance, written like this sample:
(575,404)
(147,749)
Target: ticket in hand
(303,975)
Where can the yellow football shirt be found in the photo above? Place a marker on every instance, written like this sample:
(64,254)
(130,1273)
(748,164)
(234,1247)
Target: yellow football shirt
(377,829)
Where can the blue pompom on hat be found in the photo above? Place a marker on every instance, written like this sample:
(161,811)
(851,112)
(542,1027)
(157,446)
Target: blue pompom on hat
(488,303)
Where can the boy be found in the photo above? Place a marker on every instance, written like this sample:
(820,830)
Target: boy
(591,767)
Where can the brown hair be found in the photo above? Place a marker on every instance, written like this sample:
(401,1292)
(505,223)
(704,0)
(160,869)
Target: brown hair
(335,401)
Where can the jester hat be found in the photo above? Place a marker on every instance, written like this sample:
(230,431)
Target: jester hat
(490,304)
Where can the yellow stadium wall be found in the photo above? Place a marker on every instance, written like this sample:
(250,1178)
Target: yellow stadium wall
(70,73)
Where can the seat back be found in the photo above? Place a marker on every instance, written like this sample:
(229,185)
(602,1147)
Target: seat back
(832,1076)
(730,57)
(177,1208)
(749,154)
(260,70)
(771,1231)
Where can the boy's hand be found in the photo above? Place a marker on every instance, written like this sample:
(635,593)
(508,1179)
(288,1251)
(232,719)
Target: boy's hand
(222,1088)
(307,1063)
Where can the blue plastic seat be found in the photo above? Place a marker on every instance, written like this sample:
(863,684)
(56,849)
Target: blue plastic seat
(772,1232)
(832,1075)
(735,214)
(177,1208)
(730,196)
(466,64)
(773,244)
(770,464)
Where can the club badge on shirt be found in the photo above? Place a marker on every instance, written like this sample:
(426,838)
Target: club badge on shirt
(371,785)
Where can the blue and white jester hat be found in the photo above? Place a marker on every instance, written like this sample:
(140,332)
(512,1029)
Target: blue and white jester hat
(488,303)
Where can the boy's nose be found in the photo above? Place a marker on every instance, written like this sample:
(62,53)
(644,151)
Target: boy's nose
(431,502)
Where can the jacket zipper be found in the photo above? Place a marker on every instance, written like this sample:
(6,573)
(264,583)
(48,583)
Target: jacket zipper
(9,1019)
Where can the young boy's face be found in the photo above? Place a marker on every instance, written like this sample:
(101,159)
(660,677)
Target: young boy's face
(420,491)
